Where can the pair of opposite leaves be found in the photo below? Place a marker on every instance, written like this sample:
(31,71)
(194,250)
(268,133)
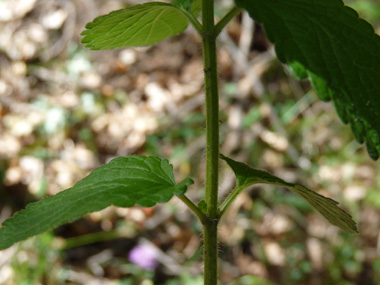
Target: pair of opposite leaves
(145,181)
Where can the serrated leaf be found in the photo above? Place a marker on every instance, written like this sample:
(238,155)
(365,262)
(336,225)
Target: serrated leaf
(123,182)
(339,51)
(247,176)
(139,25)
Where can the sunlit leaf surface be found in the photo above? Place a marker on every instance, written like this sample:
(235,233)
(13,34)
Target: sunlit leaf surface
(123,182)
(139,25)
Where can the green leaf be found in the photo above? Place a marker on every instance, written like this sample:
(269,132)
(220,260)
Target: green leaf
(139,25)
(123,182)
(196,7)
(247,176)
(193,6)
(339,52)
(202,205)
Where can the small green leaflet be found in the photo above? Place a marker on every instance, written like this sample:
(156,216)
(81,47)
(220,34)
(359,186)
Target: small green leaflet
(123,182)
(202,205)
(139,25)
(247,176)
(339,52)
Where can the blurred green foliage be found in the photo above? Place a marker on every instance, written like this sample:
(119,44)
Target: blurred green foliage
(37,260)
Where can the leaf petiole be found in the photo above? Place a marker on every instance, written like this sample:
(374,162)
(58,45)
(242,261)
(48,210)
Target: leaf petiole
(201,216)
(226,19)
(194,21)
(230,198)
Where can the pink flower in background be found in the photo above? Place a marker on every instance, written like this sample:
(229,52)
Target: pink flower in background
(145,256)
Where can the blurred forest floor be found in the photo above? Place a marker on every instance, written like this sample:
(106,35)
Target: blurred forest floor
(65,110)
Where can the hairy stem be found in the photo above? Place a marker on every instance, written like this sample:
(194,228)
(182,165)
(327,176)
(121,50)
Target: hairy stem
(210,252)
(212,144)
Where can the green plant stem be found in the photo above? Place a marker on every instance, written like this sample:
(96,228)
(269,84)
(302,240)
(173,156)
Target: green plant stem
(212,143)
(202,217)
(210,253)
(212,108)
(226,19)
